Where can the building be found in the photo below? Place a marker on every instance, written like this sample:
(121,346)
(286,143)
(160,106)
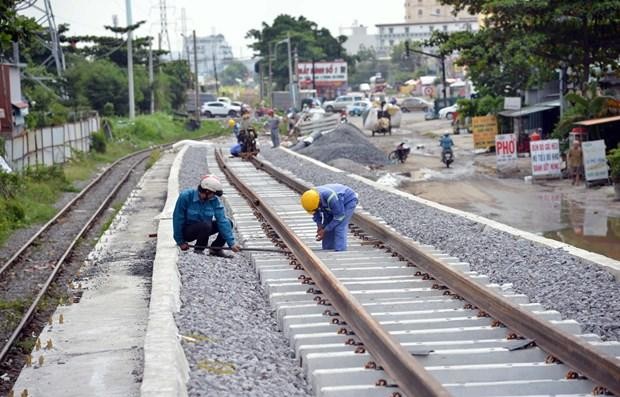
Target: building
(214,54)
(13,108)
(430,11)
(358,38)
(422,18)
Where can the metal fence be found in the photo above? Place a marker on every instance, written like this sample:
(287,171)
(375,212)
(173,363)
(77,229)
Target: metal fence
(50,145)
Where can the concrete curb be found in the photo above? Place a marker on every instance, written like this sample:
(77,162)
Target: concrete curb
(609,264)
(166,370)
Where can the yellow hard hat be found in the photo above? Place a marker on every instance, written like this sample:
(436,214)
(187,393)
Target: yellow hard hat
(310,200)
(231,123)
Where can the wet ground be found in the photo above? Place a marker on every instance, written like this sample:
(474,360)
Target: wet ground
(586,217)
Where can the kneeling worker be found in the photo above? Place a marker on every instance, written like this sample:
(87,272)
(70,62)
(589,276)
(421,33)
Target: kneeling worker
(332,206)
(193,218)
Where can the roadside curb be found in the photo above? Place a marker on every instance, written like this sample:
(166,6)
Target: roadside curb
(166,370)
(609,264)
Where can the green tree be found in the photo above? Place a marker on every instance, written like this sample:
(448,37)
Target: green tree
(14,27)
(311,42)
(577,34)
(235,70)
(178,79)
(581,107)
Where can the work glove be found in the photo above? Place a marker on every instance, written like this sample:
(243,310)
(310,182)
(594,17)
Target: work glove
(320,233)
(235,248)
(184,246)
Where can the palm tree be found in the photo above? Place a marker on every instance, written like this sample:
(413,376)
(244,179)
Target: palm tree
(589,106)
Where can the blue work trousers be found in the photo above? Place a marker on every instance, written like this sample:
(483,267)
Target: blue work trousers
(336,239)
(275,137)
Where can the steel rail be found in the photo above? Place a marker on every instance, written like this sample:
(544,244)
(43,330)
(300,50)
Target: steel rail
(63,210)
(576,353)
(410,375)
(58,265)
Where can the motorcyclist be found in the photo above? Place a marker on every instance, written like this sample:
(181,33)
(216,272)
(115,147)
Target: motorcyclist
(446,144)
(402,151)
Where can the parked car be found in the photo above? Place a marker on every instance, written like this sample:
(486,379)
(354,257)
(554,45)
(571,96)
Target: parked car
(341,102)
(222,109)
(447,112)
(415,103)
(357,108)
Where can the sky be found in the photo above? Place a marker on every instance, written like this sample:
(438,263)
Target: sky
(232,19)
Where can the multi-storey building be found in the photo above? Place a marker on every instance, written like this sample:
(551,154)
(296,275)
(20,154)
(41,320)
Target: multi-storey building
(422,17)
(213,51)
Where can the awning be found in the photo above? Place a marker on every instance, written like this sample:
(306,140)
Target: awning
(524,111)
(20,104)
(604,120)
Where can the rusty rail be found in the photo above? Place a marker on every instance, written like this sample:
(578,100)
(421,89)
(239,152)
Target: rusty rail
(576,353)
(410,375)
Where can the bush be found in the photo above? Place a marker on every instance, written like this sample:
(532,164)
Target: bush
(98,142)
(614,164)
(108,109)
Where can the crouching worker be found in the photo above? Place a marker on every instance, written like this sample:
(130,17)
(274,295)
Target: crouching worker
(199,214)
(332,207)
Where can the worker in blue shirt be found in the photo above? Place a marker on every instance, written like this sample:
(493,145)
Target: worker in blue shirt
(332,206)
(193,219)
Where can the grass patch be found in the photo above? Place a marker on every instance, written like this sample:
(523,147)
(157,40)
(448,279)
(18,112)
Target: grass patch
(153,157)
(115,208)
(11,312)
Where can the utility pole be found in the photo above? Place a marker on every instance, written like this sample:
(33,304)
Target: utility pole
(132,111)
(217,87)
(196,85)
(151,78)
(270,76)
(290,72)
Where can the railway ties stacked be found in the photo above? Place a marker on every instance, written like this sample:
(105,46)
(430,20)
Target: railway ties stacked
(468,352)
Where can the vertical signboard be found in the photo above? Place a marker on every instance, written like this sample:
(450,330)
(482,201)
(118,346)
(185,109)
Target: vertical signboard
(506,151)
(484,129)
(594,160)
(546,159)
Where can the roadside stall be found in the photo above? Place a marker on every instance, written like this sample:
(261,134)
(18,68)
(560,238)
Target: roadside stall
(525,121)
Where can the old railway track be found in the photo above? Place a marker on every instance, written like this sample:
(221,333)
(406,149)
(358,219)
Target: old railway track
(391,317)
(27,276)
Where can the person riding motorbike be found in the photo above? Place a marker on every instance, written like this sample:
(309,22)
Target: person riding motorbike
(446,144)
(402,151)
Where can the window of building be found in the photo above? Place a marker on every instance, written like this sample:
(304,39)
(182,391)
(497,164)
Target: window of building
(445,28)
(391,43)
(391,30)
(438,11)
(420,12)
(431,28)
(468,27)
(407,29)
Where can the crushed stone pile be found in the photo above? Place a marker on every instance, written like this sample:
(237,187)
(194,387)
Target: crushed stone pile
(345,142)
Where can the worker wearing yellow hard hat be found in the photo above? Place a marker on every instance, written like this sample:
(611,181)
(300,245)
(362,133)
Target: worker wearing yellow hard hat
(332,206)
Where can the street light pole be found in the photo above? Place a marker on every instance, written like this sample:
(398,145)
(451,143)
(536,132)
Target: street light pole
(290,73)
(442,58)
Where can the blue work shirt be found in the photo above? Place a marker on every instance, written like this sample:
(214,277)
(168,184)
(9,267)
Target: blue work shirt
(446,143)
(333,199)
(190,209)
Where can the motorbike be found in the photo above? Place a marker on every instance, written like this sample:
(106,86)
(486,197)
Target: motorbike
(343,117)
(400,154)
(447,157)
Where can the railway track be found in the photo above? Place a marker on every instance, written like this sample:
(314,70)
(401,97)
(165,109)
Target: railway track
(391,317)
(27,276)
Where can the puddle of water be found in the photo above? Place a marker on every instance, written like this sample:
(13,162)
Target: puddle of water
(588,227)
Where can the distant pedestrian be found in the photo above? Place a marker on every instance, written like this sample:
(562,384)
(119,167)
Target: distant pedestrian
(332,207)
(575,161)
(274,128)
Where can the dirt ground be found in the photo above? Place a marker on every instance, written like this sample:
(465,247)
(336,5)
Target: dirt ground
(583,216)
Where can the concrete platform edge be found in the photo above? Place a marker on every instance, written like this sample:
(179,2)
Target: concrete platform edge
(609,264)
(166,370)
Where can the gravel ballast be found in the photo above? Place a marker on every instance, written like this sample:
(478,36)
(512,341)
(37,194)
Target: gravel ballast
(233,347)
(345,142)
(576,288)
